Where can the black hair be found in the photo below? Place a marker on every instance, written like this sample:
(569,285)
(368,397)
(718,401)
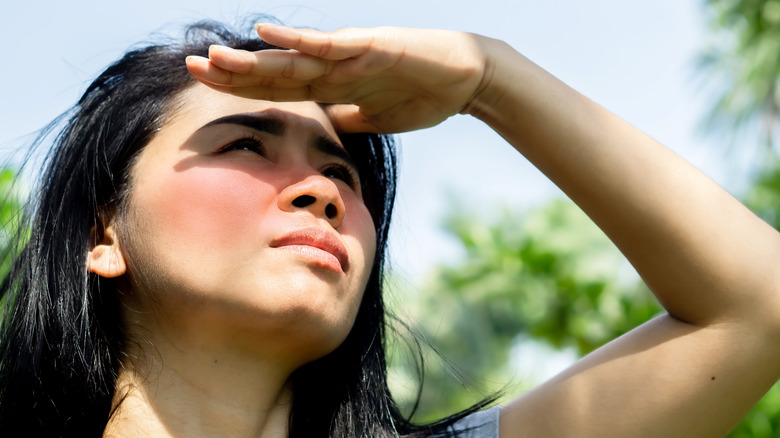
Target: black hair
(60,335)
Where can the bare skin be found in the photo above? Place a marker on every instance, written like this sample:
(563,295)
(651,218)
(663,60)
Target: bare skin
(709,261)
(230,285)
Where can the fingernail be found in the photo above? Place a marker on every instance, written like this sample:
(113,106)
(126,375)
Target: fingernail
(196,62)
(194,59)
(214,48)
(271,25)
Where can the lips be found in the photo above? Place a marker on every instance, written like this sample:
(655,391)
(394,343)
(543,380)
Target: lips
(317,245)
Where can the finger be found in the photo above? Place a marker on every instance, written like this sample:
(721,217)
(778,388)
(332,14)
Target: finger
(205,71)
(200,67)
(276,94)
(338,45)
(269,94)
(348,119)
(286,64)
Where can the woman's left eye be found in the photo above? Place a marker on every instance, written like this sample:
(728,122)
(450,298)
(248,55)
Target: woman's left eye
(344,173)
(245,144)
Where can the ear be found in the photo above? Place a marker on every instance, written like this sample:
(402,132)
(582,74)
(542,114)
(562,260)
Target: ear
(105,256)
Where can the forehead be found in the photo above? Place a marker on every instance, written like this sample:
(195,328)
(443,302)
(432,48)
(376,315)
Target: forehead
(199,105)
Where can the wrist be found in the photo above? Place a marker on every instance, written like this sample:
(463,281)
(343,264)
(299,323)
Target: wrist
(488,94)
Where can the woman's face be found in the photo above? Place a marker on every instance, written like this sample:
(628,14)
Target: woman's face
(246,221)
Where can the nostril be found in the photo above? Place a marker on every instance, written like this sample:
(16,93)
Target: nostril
(303,201)
(331,211)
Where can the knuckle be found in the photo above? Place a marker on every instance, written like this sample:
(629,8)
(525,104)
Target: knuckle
(325,48)
(328,67)
(229,78)
(245,62)
(289,69)
(267,81)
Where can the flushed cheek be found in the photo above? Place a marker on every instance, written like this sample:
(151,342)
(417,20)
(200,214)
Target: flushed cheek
(213,206)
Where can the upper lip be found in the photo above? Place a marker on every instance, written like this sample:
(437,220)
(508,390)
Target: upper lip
(317,238)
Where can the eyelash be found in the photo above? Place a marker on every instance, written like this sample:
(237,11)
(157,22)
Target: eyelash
(345,173)
(253,144)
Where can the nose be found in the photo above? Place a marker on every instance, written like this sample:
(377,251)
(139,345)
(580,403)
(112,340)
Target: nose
(316,194)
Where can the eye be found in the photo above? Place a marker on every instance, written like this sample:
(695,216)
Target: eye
(250,144)
(343,173)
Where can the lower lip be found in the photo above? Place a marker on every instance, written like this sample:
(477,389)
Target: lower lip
(316,256)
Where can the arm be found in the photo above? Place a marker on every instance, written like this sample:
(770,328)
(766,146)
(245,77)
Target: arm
(709,261)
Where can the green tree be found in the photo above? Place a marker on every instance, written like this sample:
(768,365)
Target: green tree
(11,205)
(549,275)
(763,198)
(742,63)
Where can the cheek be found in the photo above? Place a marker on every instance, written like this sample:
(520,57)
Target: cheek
(214,206)
(361,228)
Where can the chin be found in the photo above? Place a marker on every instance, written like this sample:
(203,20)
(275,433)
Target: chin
(310,325)
(308,339)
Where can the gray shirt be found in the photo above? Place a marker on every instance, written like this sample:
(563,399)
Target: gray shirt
(482,424)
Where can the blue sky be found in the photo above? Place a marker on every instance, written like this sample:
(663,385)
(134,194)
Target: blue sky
(635,58)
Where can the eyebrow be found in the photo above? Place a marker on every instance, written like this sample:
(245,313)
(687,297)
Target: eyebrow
(271,125)
(276,126)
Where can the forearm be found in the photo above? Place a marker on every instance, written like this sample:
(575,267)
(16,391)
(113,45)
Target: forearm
(705,256)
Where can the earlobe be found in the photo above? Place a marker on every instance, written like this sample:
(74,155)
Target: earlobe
(105,256)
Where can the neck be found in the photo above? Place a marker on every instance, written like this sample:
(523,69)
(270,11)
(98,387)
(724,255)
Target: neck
(177,386)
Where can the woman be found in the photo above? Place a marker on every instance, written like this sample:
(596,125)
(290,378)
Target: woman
(86,325)
(232,241)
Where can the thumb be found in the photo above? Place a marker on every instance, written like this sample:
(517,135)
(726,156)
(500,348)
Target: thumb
(348,119)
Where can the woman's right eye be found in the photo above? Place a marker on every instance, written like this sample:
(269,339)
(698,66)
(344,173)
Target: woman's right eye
(245,144)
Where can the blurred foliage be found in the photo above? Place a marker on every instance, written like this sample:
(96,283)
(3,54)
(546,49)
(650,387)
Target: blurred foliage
(743,64)
(764,200)
(549,276)
(11,205)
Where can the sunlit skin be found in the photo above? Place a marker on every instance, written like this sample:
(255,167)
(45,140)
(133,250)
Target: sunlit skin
(205,219)
(226,271)
(710,262)
(229,345)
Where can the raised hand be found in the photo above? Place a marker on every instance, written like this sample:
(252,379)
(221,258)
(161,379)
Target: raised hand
(381,80)
(710,262)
